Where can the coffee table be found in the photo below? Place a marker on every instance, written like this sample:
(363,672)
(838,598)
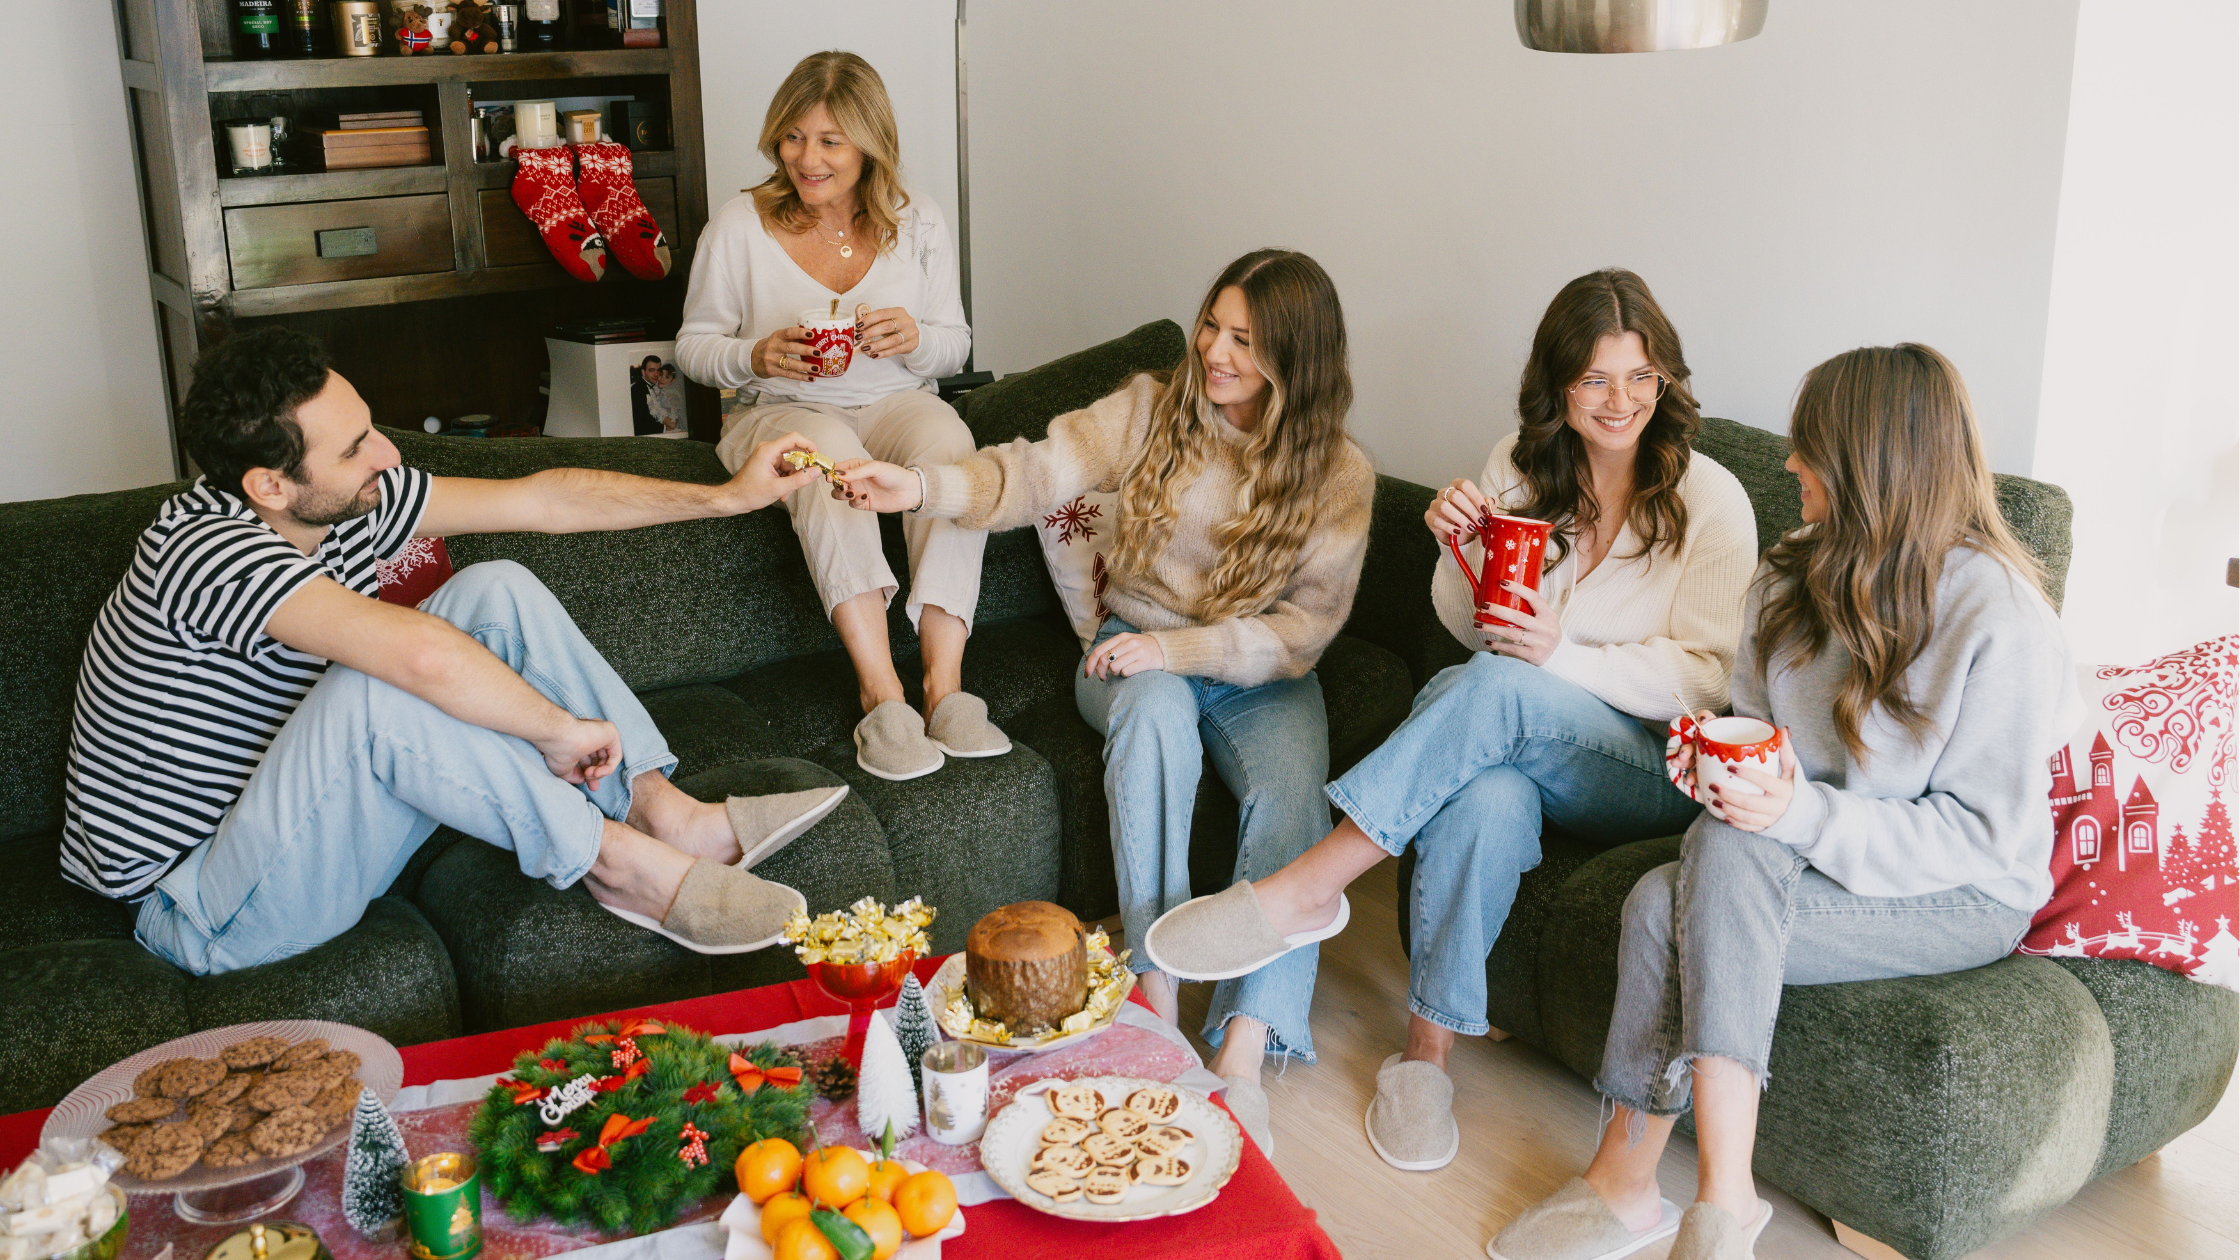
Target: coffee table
(1256,1216)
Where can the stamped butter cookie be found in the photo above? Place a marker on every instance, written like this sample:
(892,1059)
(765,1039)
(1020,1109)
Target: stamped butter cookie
(300,1053)
(164,1152)
(1160,1142)
(1156,1103)
(142,1110)
(255,1052)
(1107,1149)
(288,1131)
(1124,1124)
(1056,1185)
(1105,1185)
(284,1089)
(1066,1131)
(1080,1102)
(1162,1170)
(1070,1160)
(232,1151)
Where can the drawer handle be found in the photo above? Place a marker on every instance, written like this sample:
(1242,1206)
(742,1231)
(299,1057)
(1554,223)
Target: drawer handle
(351,242)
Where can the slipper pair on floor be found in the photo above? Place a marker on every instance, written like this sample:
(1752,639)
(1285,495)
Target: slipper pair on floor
(1575,1224)
(723,909)
(895,744)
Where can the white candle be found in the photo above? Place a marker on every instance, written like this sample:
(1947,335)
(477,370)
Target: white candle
(536,124)
(251,143)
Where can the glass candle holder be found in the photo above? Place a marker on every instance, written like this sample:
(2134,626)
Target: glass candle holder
(249,144)
(956,1091)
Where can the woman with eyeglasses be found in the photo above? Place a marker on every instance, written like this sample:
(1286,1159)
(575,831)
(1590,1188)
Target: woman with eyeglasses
(1560,713)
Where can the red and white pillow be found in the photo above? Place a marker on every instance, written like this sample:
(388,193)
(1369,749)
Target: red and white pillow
(1075,539)
(2143,863)
(414,573)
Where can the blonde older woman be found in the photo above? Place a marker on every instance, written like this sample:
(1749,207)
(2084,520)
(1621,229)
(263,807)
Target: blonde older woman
(834,229)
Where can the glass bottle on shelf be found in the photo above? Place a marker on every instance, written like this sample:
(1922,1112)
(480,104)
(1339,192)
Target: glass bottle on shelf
(257,28)
(307,24)
(541,30)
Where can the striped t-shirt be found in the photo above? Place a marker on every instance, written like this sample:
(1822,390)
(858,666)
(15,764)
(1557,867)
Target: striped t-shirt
(182,690)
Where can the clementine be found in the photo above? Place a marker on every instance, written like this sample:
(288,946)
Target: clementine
(874,1216)
(886,1175)
(766,1168)
(783,1210)
(802,1240)
(925,1202)
(834,1176)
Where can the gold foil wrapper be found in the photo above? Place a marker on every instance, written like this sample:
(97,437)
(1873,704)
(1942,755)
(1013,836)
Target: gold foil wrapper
(798,460)
(866,932)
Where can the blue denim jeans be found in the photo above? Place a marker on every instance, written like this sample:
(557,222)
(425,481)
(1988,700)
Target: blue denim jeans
(1271,745)
(363,772)
(1491,748)
(1709,940)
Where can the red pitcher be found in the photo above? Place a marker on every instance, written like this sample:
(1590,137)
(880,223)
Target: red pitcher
(1514,546)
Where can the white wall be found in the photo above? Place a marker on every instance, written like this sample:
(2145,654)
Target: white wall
(2143,339)
(1858,174)
(83,406)
(746,50)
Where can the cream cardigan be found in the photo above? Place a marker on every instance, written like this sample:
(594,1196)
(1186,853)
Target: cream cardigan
(1639,628)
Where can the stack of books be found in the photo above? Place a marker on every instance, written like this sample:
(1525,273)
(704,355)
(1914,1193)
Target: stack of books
(362,141)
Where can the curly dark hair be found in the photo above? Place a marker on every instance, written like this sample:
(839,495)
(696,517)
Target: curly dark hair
(241,410)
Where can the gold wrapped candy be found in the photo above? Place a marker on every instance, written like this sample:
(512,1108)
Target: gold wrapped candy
(799,460)
(866,932)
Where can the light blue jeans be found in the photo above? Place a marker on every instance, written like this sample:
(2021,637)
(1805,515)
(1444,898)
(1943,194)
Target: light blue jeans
(363,772)
(1491,748)
(1271,745)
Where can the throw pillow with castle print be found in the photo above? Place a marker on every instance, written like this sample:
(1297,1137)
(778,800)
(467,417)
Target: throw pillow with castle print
(2143,864)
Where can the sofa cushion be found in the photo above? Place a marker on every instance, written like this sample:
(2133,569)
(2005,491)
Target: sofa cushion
(1024,403)
(2174,1042)
(709,727)
(39,907)
(99,1000)
(388,974)
(525,952)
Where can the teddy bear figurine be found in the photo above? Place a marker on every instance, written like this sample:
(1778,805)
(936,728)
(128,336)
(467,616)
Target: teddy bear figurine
(411,22)
(473,29)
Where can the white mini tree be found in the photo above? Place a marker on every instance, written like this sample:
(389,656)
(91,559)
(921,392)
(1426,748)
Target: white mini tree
(884,1094)
(372,1173)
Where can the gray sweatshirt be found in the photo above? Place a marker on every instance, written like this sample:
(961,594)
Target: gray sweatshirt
(1966,803)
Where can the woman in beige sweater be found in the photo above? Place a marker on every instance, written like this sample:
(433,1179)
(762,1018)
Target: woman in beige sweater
(1559,715)
(1243,522)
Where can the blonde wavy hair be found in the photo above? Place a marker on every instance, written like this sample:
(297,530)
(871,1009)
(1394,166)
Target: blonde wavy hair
(1299,344)
(1892,437)
(852,91)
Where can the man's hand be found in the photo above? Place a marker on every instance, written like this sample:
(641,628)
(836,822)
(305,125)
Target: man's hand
(583,751)
(765,477)
(876,486)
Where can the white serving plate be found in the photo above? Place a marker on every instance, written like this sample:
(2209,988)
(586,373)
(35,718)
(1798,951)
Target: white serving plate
(1013,1136)
(950,978)
(80,1115)
(744,1221)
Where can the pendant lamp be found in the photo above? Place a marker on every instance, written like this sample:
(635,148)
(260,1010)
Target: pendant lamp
(1626,26)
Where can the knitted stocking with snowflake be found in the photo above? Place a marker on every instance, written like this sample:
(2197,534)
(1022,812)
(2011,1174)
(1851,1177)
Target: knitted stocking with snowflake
(544,186)
(604,183)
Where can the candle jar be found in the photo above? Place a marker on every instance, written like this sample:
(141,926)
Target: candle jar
(249,143)
(536,125)
(956,1091)
(443,1206)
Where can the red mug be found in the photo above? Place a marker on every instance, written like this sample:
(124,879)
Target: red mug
(834,337)
(1514,546)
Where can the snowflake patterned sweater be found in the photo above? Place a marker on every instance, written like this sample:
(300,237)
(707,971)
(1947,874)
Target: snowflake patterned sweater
(1965,805)
(1003,487)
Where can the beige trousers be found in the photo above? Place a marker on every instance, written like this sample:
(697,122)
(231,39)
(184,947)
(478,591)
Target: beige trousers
(841,543)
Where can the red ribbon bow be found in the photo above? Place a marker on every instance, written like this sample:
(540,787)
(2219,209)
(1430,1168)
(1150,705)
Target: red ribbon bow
(644,1028)
(553,1139)
(522,1093)
(592,1159)
(553,1065)
(703,1092)
(751,1078)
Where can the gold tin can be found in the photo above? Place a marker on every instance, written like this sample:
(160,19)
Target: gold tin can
(357,28)
(443,1206)
(277,1240)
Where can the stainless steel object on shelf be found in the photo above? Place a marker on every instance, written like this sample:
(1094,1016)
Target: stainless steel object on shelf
(1625,26)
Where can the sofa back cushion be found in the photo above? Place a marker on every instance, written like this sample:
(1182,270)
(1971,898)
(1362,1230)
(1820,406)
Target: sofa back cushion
(1024,403)
(2037,512)
(67,556)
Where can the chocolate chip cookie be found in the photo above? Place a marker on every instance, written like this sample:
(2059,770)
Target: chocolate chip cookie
(231,1088)
(335,1103)
(347,1061)
(255,1052)
(215,1119)
(164,1152)
(184,1078)
(300,1053)
(231,1151)
(288,1131)
(122,1136)
(284,1089)
(142,1110)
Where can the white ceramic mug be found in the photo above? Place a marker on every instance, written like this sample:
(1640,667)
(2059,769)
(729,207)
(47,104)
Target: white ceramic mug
(1723,746)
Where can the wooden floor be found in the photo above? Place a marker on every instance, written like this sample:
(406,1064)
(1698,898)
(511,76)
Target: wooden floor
(1531,1125)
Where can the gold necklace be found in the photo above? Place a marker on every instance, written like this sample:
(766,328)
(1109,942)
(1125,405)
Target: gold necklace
(846,250)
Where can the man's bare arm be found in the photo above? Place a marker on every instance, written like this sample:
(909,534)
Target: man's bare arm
(577,500)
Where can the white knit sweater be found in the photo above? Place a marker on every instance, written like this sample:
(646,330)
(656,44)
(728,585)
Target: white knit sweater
(745,287)
(1639,628)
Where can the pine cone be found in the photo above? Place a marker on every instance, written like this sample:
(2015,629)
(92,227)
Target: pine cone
(834,1079)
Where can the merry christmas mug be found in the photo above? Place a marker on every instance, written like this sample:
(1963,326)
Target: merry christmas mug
(834,336)
(1723,746)
(1514,546)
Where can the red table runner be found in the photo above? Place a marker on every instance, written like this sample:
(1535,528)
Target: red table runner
(1256,1216)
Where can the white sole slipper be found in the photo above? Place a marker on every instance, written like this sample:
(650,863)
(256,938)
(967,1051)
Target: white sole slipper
(785,835)
(876,773)
(1423,1165)
(1297,940)
(1668,1224)
(991,752)
(635,919)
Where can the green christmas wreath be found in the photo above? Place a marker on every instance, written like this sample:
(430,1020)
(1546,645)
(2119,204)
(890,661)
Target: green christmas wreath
(623,1125)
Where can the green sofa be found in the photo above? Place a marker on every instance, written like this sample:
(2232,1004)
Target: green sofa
(1933,1114)
(716,626)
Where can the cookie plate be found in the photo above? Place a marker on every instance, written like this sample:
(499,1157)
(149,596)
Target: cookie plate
(950,977)
(80,1114)
(1011,1141)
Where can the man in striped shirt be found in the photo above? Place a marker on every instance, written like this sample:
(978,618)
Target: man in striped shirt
(259,744)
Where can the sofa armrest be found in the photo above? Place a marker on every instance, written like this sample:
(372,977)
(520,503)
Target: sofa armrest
(1393,607)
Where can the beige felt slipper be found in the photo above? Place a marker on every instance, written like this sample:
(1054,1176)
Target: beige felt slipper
(1575,1224)
(1410,1122)
(1248,1102)
(1226,935)
(960,727)
(1710,1232)
(891,743)
(722,910)
(766,824)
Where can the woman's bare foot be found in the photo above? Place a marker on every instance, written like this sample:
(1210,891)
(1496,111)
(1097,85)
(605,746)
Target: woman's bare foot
(1244,1045)
(1166,1001)
(1303,896)
(636,872)
(1427,1042)
(660,810)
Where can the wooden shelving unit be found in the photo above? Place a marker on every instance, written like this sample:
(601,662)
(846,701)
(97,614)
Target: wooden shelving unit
(430,338)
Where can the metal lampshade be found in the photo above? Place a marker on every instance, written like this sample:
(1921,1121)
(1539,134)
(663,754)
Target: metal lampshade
(1625,26)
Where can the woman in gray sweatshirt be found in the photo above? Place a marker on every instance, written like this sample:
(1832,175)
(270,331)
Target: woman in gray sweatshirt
(1902,642)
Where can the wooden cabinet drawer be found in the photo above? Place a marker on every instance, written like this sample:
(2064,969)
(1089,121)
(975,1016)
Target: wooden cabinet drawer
(338,240)
(512,241)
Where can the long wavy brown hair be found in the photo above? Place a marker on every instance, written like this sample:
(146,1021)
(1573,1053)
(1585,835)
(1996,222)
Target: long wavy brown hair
(856,96)
(1892,438)
(1551,458)
(1299,344)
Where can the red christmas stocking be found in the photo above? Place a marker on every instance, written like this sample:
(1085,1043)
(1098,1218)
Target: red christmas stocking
(544,186)
(608,193)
